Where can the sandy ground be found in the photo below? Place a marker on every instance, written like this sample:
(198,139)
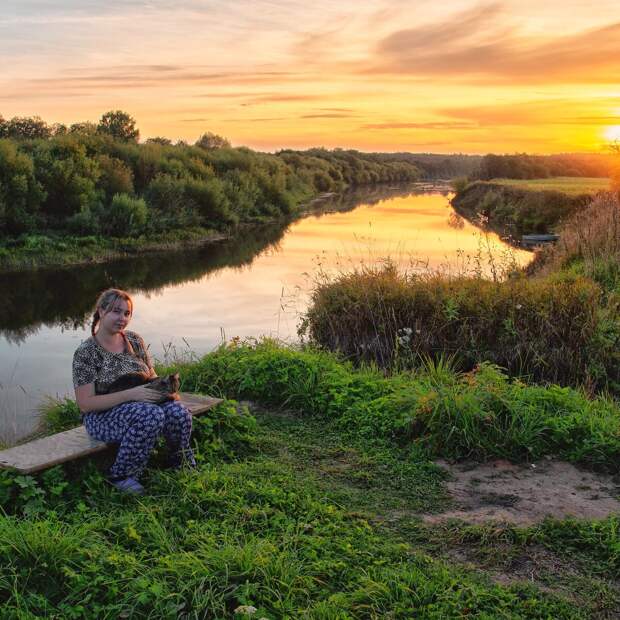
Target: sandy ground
(526,494)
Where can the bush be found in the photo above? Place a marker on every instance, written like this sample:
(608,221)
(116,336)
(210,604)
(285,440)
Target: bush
(590,238)
(514,210)
(481,414)
(20,193)
(126,216)
(544,329)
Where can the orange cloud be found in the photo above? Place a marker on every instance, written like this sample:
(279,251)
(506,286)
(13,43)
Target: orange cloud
(477,46)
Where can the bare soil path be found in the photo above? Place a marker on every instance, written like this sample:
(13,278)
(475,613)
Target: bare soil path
(525,494)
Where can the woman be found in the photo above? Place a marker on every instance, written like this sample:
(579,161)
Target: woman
(133,418)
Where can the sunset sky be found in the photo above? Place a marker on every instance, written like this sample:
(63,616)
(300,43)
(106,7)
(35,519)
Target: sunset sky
(416,75)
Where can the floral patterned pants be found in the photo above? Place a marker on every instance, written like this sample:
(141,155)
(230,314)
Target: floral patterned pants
(136,427)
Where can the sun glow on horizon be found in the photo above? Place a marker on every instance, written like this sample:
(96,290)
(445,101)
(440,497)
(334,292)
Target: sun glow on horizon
(612,133)
(462,76)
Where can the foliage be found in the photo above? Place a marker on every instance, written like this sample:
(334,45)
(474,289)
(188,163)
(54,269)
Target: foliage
(24,128)
(480,414)
(517,210)
(119,125)
(544,329)
(524,166)
(66,180)
(126,216)
(589,244)
(20,193)
(68,176)
(210,140)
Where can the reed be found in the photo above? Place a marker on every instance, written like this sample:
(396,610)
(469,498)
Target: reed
(546,330)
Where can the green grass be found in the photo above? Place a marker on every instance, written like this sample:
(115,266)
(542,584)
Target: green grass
(299,518)
(572,186)
(436,411)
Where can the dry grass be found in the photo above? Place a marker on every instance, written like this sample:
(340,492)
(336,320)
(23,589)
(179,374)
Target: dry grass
(572,186)
(591,236)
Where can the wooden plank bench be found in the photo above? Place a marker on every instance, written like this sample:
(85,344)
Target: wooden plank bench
(75,443)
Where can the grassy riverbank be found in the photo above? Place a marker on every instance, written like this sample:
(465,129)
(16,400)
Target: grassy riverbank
(310,507)
(59,250)
(514,208)
(560,323)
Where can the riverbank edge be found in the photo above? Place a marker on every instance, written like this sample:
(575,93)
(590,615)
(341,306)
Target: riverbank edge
(504,209)
(93,250)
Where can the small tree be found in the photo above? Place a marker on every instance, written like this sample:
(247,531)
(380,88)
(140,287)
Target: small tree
(85,128)
(26,128)
(119,125)
(159,140)
(210,141)
(126,216)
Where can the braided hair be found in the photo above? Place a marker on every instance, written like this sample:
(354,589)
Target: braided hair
(106,302)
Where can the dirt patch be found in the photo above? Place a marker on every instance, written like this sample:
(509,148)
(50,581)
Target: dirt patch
(526,494)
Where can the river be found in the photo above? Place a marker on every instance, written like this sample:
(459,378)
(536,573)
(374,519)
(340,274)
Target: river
(187,303)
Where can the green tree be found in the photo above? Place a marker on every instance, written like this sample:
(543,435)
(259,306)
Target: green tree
(86,128)
(119,125)
(20,193)
(210,141)
(116,177)
(25,128)
(126,216)
(160,140)
(68,176)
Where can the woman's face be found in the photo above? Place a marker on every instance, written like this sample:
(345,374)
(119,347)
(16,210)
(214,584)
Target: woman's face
(116,318)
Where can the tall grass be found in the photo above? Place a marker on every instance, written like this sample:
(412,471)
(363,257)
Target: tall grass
(590,238)
(517,210)
(543,329)
(480,414)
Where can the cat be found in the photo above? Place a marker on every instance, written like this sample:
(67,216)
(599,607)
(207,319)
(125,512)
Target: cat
(168,386)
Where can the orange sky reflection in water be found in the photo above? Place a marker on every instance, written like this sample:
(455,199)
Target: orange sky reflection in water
(267,296)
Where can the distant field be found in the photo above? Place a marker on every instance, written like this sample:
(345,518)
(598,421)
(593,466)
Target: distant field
(571,186)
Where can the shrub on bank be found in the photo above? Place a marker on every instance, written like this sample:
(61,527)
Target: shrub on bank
(589,243)
(481,414)
(516,211)
(543,329)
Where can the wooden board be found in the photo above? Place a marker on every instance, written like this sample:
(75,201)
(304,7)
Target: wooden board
(75,443)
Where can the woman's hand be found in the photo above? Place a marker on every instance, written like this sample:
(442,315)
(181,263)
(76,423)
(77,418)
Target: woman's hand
(143,394)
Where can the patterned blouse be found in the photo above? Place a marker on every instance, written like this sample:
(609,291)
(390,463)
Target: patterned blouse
(94,364)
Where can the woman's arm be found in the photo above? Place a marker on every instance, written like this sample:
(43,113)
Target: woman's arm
(88,401)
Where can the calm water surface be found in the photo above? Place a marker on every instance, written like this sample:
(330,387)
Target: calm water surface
(190,301)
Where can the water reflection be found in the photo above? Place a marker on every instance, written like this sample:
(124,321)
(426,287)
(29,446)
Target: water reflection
(64,297)
(248,286)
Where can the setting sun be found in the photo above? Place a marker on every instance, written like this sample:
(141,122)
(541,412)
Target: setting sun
(612,133)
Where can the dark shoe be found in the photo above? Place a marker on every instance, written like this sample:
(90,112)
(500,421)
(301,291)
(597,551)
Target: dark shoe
(182,461)
(128,485)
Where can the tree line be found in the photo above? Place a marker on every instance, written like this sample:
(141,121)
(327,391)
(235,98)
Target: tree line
(524,166)
(98,179)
